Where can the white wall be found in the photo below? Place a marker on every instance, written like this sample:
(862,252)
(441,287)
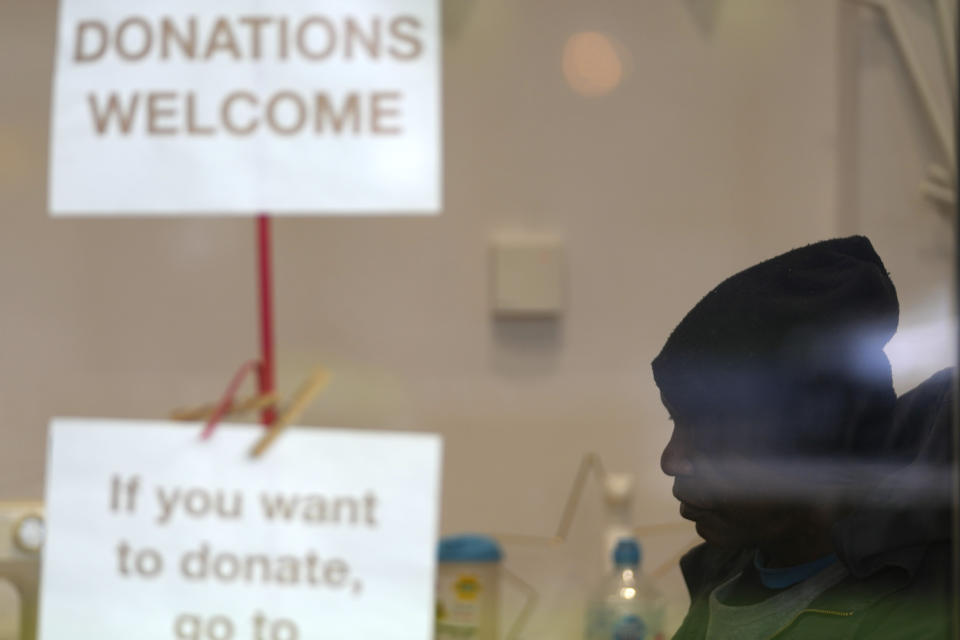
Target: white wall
(889,141)
(719,149)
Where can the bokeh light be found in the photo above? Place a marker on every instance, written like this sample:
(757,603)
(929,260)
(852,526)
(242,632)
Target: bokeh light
(593,63)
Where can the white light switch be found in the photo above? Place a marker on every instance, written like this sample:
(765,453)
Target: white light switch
(528,276)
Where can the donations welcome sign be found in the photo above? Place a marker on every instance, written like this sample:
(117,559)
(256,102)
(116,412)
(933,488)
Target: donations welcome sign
(292,106)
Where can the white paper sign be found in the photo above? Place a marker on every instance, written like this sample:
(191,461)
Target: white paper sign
(290,106)
(154,534)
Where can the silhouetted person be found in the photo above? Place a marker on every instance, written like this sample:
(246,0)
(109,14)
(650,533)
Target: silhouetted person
(824,500)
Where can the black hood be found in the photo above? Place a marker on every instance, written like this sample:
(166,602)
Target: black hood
(796,340)
(910,506)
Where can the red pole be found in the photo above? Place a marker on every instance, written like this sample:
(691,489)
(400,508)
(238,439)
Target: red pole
(265,279)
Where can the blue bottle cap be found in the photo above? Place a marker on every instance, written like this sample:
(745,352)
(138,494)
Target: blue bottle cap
(469,548)
(627,552)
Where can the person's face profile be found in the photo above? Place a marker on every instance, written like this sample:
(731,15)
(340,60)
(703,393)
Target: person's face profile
(725,477)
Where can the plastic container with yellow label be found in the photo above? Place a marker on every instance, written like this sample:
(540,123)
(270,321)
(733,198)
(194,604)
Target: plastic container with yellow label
(468,588)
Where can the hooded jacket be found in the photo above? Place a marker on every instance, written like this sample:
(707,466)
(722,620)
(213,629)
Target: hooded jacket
(895,543)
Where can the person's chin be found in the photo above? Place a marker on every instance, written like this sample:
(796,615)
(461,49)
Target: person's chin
(712,527)
(721,537)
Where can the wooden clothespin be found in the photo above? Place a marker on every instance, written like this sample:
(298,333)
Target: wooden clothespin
(316,383)
(228,405)
(239,407)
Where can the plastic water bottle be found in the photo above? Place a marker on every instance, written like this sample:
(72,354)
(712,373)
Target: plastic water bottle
(626,605)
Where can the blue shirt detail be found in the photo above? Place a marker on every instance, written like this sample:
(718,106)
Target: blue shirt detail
(783,577)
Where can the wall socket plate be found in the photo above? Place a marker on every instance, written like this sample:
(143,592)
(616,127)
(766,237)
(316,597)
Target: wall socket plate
(528,276)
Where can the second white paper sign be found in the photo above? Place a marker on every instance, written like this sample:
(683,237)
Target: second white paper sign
(155,535)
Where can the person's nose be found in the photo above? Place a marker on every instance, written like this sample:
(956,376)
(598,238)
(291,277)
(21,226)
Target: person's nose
(675,459)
